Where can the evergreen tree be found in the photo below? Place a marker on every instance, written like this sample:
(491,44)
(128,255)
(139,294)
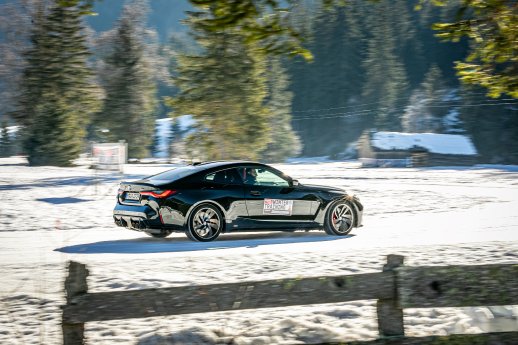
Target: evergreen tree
(176,140)
(492,28)
(492,124)
(427,106)
(224,89)
(129,109)
(489,24)
(385,79)
(283,142)
(15,24)
(57,94)
(155,145)
(5,141)
(331,83)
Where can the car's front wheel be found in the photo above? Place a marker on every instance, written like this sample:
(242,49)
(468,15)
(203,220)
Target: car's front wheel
(205,223)
(340,218)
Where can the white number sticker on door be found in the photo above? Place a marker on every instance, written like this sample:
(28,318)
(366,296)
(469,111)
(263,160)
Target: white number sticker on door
(278,207)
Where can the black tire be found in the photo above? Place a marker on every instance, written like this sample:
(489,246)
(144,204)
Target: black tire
(163,234)
(340,218)
(205,223)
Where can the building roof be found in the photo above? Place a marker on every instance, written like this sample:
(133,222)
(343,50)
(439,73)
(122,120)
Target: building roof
(453,144)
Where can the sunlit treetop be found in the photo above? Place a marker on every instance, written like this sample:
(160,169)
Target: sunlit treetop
(491,26)
(263,21)
(84,5)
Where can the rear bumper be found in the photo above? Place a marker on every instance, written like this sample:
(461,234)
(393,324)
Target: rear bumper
(134,223)
(141,218)
(147,219)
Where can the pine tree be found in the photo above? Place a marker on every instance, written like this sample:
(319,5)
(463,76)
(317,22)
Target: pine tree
(494,128)
(15,24)
(155,146)
(424,112)
(176,144)
(224,89)
(57,93)
(130,106)
(358,78)
(331,81)
(5,141)
(386,82)
(283,142)
(491,26)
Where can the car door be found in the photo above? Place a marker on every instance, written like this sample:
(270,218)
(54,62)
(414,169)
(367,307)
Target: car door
(226,188)
(271,197)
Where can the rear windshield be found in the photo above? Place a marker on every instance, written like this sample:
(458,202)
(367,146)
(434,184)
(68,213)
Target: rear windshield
(173,174)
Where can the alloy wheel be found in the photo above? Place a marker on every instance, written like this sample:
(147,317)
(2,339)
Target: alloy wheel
(206,223)
(342,218)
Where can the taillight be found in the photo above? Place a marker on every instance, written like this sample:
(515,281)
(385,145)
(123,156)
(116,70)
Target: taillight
(159,194)
(120,191)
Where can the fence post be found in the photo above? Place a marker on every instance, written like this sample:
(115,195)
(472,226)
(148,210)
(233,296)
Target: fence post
(75,285)
(390,313)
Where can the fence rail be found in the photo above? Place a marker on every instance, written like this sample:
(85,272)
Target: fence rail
(395,288)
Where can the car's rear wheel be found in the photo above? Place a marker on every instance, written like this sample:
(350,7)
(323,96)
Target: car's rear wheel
(340,218)
(162,234)
(205,223)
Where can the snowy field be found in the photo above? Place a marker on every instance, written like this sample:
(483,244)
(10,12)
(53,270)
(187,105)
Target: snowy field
(433,216)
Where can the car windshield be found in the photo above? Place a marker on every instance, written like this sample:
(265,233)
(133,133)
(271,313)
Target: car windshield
(173,174)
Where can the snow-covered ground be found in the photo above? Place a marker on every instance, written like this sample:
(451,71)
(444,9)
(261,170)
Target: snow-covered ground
(433,216)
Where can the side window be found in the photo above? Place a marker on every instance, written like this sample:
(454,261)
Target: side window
(228,176)
(263,177)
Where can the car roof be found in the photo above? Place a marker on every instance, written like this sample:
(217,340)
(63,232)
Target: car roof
(195,169)
(201,166)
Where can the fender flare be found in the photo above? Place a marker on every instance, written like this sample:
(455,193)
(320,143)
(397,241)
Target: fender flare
(221,209)
(350,198)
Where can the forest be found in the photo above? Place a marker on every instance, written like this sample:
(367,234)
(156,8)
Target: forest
(260,80)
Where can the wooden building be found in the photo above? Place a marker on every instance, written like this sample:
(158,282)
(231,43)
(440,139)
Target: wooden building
(394,149)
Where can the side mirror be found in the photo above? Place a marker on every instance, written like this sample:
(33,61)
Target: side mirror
(295,183)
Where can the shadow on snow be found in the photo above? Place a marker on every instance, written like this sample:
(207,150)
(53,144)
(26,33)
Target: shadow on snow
(176,244)
(70,181)
(64,200)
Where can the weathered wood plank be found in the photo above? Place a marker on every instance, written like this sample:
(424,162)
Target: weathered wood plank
(75,286)
(224,297)
(389,311)
(504,338)
(458,286)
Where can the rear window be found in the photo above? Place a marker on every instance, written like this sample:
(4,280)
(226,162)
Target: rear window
(173,174)
(227,176)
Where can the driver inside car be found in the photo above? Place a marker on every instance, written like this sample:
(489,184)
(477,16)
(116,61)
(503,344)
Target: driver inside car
(250,176)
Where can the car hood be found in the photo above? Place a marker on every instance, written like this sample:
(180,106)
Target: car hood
(314,187)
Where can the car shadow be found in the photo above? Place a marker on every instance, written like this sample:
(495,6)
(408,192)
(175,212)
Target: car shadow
(64,200)
(149,245)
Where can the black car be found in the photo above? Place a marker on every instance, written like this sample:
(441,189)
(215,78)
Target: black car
(207,199)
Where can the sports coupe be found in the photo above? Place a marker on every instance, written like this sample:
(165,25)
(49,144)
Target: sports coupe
(207,199)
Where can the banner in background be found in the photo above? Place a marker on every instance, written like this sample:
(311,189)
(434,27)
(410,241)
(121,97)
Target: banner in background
(110,156)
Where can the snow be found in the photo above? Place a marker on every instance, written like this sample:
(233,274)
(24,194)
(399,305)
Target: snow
(11,131)
(186,122)
(163,133)
(451,96)
(433,216)
(452,123)
(163,129)
(435,143)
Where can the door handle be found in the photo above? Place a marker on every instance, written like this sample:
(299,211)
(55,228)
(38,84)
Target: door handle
(255,193)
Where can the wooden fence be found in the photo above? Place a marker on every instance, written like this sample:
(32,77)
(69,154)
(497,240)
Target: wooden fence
(395,288)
